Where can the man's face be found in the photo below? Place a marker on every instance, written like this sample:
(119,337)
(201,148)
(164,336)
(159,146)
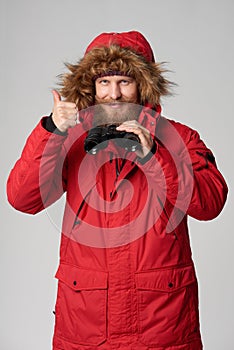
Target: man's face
(117,97)
(116,88)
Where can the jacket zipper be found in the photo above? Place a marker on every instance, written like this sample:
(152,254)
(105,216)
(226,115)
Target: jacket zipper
(77,221)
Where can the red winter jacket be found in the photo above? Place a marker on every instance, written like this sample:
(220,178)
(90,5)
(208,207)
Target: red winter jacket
(126,278)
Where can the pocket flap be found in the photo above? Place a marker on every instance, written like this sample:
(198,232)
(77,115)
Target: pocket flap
(165,280)
(79,278)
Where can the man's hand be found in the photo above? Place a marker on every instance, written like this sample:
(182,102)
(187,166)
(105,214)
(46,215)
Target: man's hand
(141,132)
(64,113)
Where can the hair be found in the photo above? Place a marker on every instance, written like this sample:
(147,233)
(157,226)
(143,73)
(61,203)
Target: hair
(78,84)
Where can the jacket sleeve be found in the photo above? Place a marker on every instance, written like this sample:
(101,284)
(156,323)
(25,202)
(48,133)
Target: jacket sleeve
(39,176)
(184,172)
(209,187)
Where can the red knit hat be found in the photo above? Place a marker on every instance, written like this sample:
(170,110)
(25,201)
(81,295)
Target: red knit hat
(132,40)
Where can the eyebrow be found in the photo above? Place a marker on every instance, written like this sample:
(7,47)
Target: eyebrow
(120,78)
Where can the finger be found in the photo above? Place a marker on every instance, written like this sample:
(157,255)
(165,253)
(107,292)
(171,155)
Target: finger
(69,114)
(132,127)
(129,123)
(57,97)
(70,123)
(143,134)
(67,105)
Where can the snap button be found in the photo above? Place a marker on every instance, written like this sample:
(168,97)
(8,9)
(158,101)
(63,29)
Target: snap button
(170,285)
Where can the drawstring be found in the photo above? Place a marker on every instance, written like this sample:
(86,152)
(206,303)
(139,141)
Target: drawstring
(111,157)
(117,170)
(117,167)
(77,221)
(144,120)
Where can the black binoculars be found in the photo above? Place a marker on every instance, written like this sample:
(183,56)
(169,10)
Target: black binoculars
(99,136)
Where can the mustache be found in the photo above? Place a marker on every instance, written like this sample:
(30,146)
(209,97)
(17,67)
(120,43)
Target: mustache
(111,101)
(125,111)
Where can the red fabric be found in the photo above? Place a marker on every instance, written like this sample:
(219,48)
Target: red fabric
(143,293)
(132,39)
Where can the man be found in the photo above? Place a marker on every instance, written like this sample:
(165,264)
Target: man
(126,275)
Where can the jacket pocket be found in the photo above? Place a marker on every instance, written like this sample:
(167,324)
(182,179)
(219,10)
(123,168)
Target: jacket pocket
(167,306)
(81,305)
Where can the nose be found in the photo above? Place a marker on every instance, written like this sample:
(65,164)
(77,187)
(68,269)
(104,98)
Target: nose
(115,91)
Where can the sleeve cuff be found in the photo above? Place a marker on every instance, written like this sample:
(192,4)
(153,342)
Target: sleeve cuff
(149,155)
(49,125)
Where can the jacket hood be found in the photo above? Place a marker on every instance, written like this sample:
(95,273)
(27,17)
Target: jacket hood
(127,53)
(132,40)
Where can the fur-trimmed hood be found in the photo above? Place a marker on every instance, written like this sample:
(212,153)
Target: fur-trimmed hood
(110,54)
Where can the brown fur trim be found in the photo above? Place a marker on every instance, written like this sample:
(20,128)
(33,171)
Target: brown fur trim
(77,85)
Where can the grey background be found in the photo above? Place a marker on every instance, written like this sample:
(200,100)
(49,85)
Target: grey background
(196,39)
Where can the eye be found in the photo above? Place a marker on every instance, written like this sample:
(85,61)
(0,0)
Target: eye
(126,81)
(103,81)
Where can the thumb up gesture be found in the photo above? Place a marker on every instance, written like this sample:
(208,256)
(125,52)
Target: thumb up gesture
(64,113)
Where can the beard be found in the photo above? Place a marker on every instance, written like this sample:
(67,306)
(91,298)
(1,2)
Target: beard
(108,112)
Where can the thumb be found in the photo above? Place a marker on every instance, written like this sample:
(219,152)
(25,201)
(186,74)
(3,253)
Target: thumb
(56,96)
